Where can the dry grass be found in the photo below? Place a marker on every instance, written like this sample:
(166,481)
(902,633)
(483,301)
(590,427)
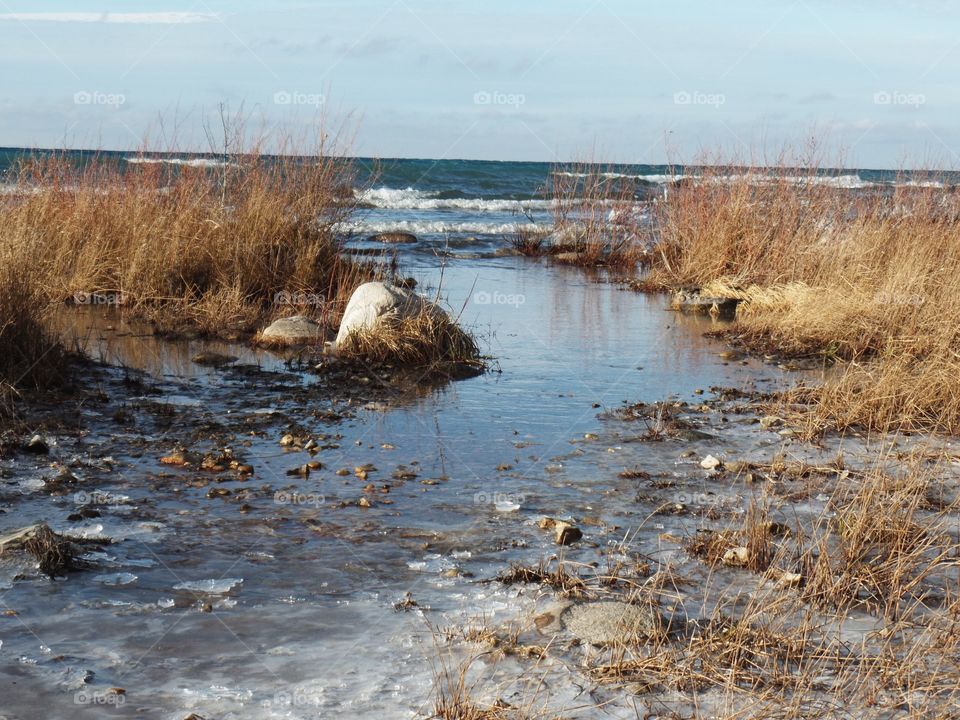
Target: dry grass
(430,340)
(866,278)
(32,357)
(560,579)
(192,248)
(846,611)
(596,219)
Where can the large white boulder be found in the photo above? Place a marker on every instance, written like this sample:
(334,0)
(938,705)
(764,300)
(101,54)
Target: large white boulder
(374,301)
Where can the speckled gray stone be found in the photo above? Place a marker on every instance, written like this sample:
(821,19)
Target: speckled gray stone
(610,621)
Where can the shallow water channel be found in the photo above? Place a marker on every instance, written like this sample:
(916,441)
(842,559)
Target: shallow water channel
(278,599)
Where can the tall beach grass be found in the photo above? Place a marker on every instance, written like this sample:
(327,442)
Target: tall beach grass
(214,245)
(864,277)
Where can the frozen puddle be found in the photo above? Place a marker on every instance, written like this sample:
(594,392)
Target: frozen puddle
(211,587)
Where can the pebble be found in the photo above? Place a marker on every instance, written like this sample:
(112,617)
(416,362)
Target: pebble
(37,445)
(711,463)
(736,557)
(564,533)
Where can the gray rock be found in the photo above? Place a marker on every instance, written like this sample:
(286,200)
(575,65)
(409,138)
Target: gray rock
(611,622)
(695,303)
(396,238)
(37,445)
(296,330)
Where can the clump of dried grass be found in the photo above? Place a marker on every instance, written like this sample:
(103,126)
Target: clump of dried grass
(430,339)
(879,548)
(559,579)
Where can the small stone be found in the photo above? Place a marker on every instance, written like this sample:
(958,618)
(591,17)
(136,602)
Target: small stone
(175,458)
(287,440)
(546,523)
(37,445)
(566,534)
(343,472)
(736,557)
(393,238)
(770,421)
(296,330)
(590,436)
(364,503)
(310,444)
(711,463)
(789,579)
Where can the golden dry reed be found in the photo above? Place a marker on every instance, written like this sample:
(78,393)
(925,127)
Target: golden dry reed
(213,247)
(865,277)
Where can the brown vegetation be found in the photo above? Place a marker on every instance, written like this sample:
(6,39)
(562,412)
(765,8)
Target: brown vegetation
(595,219)
(866,278)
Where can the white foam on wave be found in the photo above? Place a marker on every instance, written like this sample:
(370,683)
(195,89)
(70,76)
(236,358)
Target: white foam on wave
(411,199)
(432,227)
(189,162)
(848,181)
(842,181)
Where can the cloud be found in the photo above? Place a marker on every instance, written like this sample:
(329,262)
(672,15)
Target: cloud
(143,18)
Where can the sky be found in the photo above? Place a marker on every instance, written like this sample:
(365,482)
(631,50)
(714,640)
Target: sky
(872,81)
